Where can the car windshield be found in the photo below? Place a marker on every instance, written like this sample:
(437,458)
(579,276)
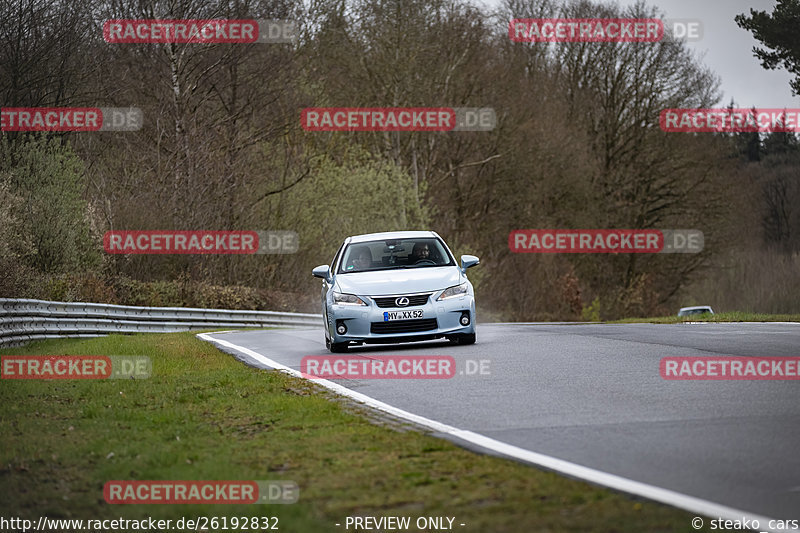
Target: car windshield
(687,312)
(394,254)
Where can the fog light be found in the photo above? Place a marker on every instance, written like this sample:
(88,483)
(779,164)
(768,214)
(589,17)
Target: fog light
(464,319)
(341,329)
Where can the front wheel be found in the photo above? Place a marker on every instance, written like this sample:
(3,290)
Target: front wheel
(336,347)
(464,339)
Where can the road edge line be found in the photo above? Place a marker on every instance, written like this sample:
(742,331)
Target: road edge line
(637,488)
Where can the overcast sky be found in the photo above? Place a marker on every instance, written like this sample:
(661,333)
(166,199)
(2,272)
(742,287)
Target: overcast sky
(728,50)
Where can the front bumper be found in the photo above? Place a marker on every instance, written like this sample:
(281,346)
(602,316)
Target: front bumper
(367,323)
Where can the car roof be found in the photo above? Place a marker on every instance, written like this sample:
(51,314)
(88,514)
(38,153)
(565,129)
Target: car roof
(390,235)
(695,307)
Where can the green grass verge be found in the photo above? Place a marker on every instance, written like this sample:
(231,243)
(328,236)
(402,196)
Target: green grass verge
(733,316)
(205,416)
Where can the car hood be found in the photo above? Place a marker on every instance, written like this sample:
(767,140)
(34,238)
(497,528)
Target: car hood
(400,281)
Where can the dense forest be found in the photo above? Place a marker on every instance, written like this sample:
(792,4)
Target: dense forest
(577,144)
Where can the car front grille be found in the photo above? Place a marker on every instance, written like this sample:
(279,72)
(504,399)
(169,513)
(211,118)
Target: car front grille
(386,302)
(404,326)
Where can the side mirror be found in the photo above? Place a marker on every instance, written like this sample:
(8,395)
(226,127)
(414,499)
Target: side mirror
(468,261)
(322,271)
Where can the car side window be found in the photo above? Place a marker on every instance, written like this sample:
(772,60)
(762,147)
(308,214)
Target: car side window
(336,258)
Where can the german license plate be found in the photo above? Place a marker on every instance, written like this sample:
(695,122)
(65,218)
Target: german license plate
(410,314)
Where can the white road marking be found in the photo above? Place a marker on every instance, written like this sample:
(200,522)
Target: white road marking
(669,497)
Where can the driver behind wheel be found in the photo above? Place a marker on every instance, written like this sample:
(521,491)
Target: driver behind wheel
(420,252)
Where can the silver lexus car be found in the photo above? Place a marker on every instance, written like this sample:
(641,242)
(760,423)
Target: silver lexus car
(399,286)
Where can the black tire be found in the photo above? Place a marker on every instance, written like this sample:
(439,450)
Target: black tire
(468,338)
(336,347)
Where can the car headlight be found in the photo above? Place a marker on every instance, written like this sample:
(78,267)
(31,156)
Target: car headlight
(452,292)
(341,298)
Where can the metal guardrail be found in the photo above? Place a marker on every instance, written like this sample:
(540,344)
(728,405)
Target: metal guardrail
(23,320)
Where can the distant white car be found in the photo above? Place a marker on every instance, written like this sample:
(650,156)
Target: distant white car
(696,310)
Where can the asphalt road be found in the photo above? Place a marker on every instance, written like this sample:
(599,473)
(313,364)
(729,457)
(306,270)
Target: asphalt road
(593,395)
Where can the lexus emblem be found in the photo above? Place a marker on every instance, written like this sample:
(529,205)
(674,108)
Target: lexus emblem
(401,302)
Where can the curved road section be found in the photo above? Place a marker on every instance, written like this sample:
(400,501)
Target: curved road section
(589,401)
